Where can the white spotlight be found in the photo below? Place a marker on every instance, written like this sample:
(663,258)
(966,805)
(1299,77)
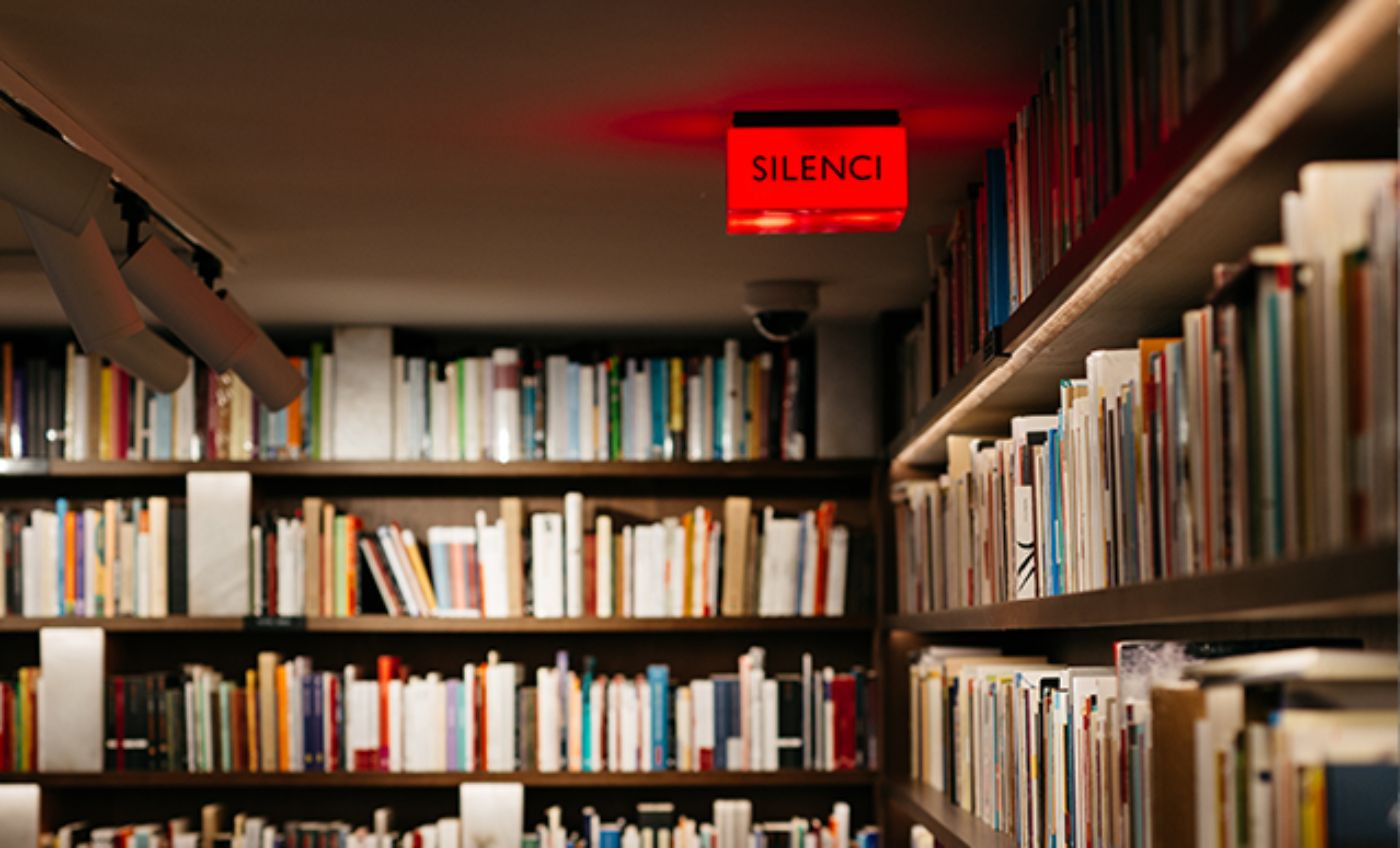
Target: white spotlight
(262,366)
(104,317)
(45,177)
(214,326)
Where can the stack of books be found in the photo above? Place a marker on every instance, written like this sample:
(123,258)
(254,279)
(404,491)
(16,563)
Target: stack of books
(285,716)
(129,558)
(1113,90)
(1266,430)
(1176,744)
(363,402)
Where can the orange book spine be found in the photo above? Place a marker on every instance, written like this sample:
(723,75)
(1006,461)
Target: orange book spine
(70,560)
(352,547)
(294,433)
(250,694)
(283,728)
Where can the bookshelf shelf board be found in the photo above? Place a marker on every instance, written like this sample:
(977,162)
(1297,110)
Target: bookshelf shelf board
(953,826)
(441,626)
(1346,584)
(837,469)
(1313,85)
(141,781)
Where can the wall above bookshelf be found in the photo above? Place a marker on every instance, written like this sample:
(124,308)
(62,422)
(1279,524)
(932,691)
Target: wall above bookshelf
(1316,85)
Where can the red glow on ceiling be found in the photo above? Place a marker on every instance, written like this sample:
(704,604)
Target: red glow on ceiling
(935,117)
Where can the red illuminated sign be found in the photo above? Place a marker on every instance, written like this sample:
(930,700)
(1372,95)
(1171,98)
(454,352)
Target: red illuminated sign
(816,179)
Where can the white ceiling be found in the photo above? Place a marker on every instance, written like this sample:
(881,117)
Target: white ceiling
(512,165)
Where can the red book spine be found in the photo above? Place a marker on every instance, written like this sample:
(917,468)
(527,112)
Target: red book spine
(843,697)
(590,576)
(388,668)
(337,710)
(119,709)
(270,570)
(826,516)
(473,569)
(123,412)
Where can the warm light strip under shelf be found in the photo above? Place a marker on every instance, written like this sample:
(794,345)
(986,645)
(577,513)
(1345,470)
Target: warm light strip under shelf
(1351,33)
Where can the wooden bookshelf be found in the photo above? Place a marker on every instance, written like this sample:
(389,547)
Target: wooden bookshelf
(440,626)
(953,826)
(814,470)
(737,780)
(1352,583)
(1299,93)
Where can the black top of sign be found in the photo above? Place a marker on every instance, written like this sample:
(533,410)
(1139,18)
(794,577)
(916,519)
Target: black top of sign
(827,118)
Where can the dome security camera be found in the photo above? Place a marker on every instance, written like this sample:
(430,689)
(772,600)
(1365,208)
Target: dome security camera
(780,308)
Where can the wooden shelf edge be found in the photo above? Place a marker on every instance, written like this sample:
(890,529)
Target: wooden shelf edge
(416,780)
(1349,583)
(448,626)
(953,826)
(540,470)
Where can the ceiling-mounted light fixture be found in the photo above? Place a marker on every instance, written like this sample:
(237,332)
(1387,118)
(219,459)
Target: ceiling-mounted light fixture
(47,178)
(90,289)
(214,326)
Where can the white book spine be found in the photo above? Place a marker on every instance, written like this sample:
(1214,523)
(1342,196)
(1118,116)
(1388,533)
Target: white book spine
(603,559)
(694,415)
(471,411)
(573,553)
(587,408)
(505,362)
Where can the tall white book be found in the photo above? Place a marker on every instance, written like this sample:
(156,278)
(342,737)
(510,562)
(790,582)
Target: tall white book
(361,403)
(72,667)
(573,554)
(218,512)
(547,564)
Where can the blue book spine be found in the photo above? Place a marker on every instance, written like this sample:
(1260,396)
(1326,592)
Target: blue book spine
(308,722)
(442,583)
(610,836)
(586,686)
(573,410)
(527,419)
(724,697)
(659,371)
(998,254)
(61,508)
(659,684)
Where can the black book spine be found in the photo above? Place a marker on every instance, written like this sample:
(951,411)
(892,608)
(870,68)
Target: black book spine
(137,740)
(789,721)
(177,562)
(54,413)
(109,752)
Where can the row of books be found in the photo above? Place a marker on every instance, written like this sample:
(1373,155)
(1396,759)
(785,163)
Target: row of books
(1205,744)
(285,716)
(1113,89)
(654,823)
(363,402)
(110,558)
(119,558)
(1267,430)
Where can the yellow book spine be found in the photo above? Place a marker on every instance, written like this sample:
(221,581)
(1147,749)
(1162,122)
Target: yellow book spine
(104,413)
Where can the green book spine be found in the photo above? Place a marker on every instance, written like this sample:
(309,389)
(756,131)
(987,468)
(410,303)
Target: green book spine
(339,572)
(614,407)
